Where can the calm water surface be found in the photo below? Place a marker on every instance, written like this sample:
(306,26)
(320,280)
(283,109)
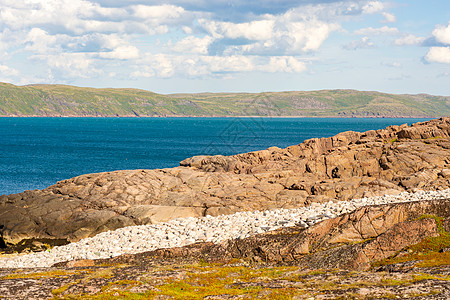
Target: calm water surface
(37,152)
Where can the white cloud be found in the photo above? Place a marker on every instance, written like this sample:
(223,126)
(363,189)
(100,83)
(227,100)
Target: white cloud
(7,71)
(187,29)
(8,74)
(159,65)
(392,65)
(377,31)
(442,34)
(235,63)
(298,30)
(363,43)
(82,16)
(373,7)
(146,73)
(255,30)
(194,45)
(39,41)
(389,18)
(287,64)
(308,36)
(158,14)
(70,65)
(164,66)
(83,38)
(409,40)
(121,52)
(439,55)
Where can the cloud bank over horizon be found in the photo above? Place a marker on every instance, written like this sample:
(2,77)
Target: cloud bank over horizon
(198,45)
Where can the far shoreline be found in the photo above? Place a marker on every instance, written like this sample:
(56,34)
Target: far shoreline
(226,117)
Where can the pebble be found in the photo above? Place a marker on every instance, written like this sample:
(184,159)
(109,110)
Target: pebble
(185,231)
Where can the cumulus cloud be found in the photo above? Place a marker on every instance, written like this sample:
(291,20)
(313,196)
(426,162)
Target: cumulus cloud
(164,66)
(409,40)
(7,71)
(363,43)
(121,52)
(439,55)
(255,30)
(283,64)
(377,31)
(8,74)
(297,30)
(442,34)
(75,16)
(79,38)
(389,18)
(78,17)
(373,7)
(67,65)
(193,45)
(234,10)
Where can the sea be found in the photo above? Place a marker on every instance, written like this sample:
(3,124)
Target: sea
(37,152)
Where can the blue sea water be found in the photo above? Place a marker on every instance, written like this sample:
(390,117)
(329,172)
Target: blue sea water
(37,152)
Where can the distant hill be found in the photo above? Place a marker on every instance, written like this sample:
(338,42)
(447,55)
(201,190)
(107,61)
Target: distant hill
(65,100)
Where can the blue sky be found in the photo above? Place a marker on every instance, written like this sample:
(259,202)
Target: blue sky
(399,46)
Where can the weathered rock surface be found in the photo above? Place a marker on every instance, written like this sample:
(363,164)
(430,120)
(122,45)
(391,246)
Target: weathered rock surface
(291,263)
(352,241)
(348,165)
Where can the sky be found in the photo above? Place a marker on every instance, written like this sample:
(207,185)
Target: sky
(175,46)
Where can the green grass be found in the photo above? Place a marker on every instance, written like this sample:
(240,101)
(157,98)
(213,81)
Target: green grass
(65,100)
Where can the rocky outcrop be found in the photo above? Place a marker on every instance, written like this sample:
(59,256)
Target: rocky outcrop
(348,165)
(353,241)
(297,263)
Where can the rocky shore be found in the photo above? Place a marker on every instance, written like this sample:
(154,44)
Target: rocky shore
(350,165)
(400,250)
(357,215)
(184,231)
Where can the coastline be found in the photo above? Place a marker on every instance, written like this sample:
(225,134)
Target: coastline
(229,116)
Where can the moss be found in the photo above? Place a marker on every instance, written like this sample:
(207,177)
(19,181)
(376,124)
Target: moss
(38,275)
(255,281)
(393,282)
(115,295)
(424,276)
(101,273)
(64,288)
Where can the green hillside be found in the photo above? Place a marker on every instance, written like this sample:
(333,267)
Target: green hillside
(64,100)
